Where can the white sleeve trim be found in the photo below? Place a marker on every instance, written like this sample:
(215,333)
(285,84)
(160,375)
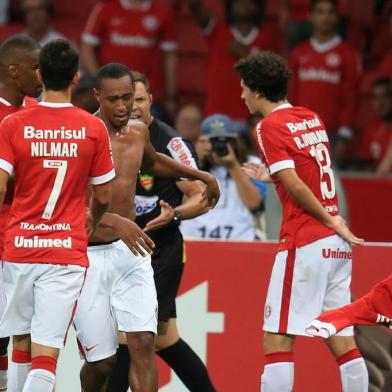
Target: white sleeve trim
(103,179)
(278,166)
(90,39)
(168,46)
(6,166)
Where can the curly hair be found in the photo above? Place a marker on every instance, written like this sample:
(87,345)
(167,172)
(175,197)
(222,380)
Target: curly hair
(266,73)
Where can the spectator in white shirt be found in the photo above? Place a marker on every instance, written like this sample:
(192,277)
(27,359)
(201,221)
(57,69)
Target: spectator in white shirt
(219,152)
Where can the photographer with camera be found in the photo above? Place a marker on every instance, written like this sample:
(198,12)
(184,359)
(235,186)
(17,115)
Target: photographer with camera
(221,154)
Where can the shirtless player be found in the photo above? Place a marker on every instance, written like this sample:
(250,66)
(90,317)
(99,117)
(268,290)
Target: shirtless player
(120,282)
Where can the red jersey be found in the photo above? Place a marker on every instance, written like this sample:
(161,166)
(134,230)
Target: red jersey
(299,10)
(223,83)
(325,79)
(5,110)
(53,149)
(132,36)
(295,138)
(375,141)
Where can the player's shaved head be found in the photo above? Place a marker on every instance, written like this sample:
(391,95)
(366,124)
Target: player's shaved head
(13,51)
(112,71)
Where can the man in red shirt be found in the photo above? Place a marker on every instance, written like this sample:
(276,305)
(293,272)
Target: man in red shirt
(378,134)
(374,309)
(325,75)
(137,33)
(18,79)
(227,43)
(54,150)
(312,270)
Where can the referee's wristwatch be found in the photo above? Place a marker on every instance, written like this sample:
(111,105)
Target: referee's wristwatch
(177,217)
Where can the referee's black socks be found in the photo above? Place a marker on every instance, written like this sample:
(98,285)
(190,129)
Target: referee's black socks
(118,381)
(188,367)
(180,357)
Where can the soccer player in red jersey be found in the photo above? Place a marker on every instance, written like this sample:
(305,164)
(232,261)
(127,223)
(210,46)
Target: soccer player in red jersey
(326,64)
(54,150)
(227,42)
(18,82)
(137,33)
(374,308)
(312,270)
(377,136)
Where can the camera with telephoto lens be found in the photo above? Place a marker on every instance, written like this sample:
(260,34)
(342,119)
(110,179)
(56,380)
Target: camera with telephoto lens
(219,145)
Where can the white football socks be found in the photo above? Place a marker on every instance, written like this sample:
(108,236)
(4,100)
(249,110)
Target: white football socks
(40,380)
(354,376)
(278,377)
(18,373)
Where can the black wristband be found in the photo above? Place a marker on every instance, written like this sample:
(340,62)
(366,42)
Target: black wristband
(177,217)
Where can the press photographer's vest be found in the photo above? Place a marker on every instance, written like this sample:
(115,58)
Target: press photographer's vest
(230,219)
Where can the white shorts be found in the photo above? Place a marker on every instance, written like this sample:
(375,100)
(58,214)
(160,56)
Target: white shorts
(118,295)
(2,292)
(306,282)
(40,300)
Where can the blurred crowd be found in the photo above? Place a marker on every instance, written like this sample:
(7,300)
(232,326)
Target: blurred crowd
(340,54)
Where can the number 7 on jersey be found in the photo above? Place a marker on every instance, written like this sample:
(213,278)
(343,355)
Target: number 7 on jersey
(61,167)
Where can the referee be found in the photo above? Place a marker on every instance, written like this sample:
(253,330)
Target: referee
(161,204)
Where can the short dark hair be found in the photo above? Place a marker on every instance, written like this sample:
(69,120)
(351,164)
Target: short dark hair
(140,77)
(11,50)
(315,2)
(266,73)
(58,63)
(112,71)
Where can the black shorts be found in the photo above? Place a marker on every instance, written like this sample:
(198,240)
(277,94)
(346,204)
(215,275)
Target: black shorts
(167,262)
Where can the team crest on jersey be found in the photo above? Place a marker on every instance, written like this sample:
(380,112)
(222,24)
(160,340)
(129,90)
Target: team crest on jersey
(146,181)
(267,311)
(332,60)
(150,22)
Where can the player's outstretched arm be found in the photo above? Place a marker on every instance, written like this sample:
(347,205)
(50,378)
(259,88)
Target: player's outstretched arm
(194,204)
(129,232)
(4,176)
(305,198)
(165,166)
(99,203)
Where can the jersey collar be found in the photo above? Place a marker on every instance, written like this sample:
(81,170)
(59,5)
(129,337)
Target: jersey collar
(245,39)
(56,104)
(325,46)
(283,106)
(6,103)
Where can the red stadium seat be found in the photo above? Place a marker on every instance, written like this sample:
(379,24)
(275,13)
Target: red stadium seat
(8,30)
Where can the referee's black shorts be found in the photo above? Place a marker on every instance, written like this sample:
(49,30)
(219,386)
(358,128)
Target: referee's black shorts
(168,265)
